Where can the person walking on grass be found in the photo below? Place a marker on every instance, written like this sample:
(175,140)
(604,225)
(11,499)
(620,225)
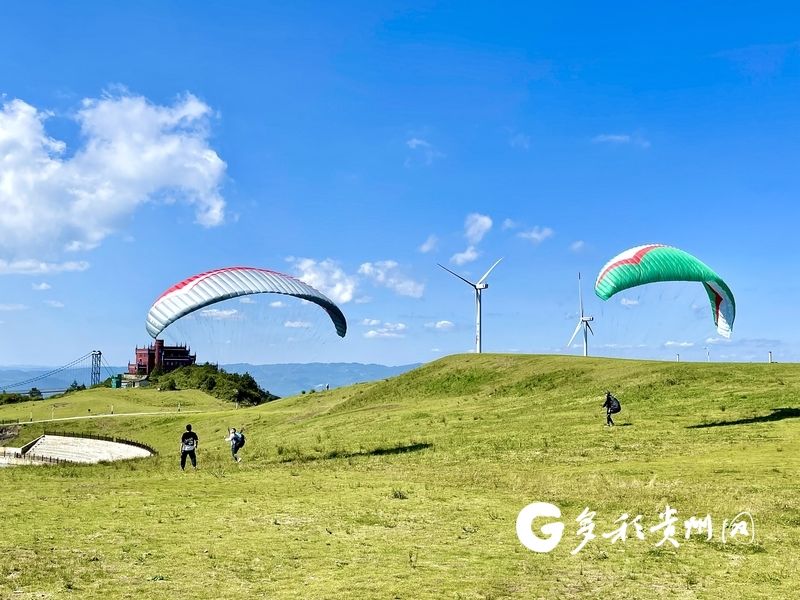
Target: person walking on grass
(189,443)
(236,438)
(612,407)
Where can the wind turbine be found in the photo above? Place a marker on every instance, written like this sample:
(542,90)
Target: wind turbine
(479,287)
(583,321)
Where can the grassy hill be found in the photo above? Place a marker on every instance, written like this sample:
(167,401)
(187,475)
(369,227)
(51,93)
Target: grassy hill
(410,488)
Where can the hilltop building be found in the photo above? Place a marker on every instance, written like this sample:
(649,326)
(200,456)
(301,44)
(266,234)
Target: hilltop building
(161,357)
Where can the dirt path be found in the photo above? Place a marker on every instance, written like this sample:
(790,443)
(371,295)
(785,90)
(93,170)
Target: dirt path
(137,414)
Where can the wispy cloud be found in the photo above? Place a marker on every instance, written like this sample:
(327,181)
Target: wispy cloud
(370,322)
(537,235)
(389,330)
(277,304)
(429,245)
(509,224)
(12,307)
(54,303)
(476,226)
(423,152)
(387,274)
(220,314)
(36,267)
(614,346)
(761,61)
(520,141)
(440,325)
(620,139)
(577,246)
(246,300)
(467,256)
(297,324)
(629,302)
(41,287)
(673,344)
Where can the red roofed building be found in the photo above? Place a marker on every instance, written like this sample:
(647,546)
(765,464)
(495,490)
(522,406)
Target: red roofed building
(161,357)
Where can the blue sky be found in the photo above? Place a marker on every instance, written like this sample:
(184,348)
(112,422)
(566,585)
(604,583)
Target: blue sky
(142,144)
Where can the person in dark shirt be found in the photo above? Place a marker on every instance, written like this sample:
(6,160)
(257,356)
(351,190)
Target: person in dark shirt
(189,443)
(612,407)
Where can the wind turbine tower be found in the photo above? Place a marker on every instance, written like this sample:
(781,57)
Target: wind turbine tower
(479,286)
(583,321)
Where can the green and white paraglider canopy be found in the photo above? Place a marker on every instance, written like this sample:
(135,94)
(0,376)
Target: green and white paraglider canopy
(656,262)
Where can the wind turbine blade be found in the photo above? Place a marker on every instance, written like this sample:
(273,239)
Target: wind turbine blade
(457,275)
(577,329)
(482,279)
(580,293)
(589,326)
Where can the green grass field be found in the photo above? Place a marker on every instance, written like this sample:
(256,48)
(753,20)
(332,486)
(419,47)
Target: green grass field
(410,488)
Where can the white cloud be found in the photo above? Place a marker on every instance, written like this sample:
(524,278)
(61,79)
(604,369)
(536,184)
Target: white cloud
(35,267)
(277,304)
(537,235)
(425,152)
(326,276)
(385,273)
(672,344)
(54,303)
(389,330)
(717,340)
(297,324)
(132,152)
(220,314)
(41,287)
(429,245)
(577,246)
(370,322)
(10,307)
(467,256)
(629,302)
(415,143)
(476,226)
(440,325)
(509,224)
(621,139)
(381,333)
(363,300)
(246,300)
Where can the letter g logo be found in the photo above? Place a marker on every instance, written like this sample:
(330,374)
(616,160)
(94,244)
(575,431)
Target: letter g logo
(554,531)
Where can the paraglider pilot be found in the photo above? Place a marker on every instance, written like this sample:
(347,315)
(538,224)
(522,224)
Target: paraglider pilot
(612,407)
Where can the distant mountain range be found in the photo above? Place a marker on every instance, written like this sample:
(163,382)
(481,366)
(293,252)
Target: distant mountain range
(292,378)
(283,379)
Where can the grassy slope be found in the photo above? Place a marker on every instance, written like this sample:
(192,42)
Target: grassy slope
(101,401)
(410,488)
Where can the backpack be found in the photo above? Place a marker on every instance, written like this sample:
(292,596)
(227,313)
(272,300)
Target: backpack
(615,406)
(240,440)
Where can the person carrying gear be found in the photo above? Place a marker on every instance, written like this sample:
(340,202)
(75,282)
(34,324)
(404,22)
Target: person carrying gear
(612,407)
(236,438)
